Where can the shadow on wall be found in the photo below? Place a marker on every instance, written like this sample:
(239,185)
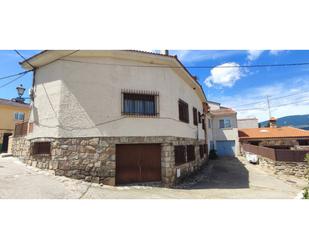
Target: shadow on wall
(227,173)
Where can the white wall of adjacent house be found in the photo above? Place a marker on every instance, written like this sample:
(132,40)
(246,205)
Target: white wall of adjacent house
(224,134)
(247,123)
(84,100)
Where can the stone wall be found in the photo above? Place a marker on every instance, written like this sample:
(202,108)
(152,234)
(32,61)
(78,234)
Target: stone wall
(279,142)
(94,159)
(298,169)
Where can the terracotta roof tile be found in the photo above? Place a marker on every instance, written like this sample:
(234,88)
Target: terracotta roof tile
(264,133)
(13,103)
(222,111)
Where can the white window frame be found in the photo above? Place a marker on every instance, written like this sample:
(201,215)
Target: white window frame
(20,116)
(226,123)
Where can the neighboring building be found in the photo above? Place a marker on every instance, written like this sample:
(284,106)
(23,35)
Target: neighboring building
(222,130)
(283,137)
(114,117)
(11,113)
(247,123)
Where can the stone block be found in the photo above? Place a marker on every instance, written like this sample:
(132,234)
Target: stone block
(109,181)
(95,179)
(90,149)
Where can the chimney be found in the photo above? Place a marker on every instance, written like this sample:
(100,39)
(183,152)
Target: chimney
(165,52)
(273,122)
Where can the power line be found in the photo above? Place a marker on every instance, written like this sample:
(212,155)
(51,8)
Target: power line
(264,109)
(200,67)
(11,81)
(291,103)
(271,98)
(24,59)
(13,75)
(268,107)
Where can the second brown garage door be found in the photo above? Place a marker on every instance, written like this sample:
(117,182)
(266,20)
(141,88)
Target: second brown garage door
(138,163)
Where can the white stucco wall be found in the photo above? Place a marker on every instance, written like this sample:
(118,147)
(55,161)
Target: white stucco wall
(219,134)
(85,100)
(247,123)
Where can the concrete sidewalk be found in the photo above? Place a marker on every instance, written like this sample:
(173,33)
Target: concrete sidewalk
(230,178)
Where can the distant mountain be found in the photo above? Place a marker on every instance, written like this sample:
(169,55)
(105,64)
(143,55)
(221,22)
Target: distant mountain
(297,121)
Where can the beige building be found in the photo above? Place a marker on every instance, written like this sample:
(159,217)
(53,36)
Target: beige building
(11,113)
(115,117)
(222,130)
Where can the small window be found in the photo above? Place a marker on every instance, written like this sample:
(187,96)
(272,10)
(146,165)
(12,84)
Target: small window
(209,123)
(224,123)
(19,116)
(194,116)
(140,103)
(202,152)
(41,148)
(203,124)
(199,117)
(183,111)
(190,153)
(180,154)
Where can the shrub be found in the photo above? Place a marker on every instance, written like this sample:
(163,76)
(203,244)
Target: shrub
(306,193)
(213,154)
(306,190)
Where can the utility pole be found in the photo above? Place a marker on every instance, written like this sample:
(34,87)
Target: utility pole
(268,105)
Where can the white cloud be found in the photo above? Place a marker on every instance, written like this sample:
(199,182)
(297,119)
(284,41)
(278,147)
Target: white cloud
(191,56)
(276,52)
(254,54)
(224,75)
(246,104)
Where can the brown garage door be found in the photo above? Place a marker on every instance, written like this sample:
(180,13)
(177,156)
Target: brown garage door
(138,163)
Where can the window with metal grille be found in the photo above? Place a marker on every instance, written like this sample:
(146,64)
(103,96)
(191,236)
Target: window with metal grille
(194,116)
(202,152)
(180,154)
(190,153)
(183,111)
(140,103)
(41,148)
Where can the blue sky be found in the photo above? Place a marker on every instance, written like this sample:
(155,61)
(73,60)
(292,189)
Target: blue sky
(233,87)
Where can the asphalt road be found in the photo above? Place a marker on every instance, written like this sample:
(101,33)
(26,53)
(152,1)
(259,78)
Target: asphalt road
(229,178)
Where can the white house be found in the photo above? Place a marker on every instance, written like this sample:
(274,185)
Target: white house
(247,123)
(222,130)
(114,117)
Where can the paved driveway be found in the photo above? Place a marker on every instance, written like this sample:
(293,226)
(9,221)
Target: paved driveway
(229,178)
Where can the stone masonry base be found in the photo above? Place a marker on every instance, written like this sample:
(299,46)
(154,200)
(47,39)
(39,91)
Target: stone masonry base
(94,159)
(298,169)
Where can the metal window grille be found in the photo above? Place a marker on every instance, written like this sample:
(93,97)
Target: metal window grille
(190,153)
(183,111)
(140,103)
(21,129)
(194,116)
(41,148)
(180,154)
(202,152)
